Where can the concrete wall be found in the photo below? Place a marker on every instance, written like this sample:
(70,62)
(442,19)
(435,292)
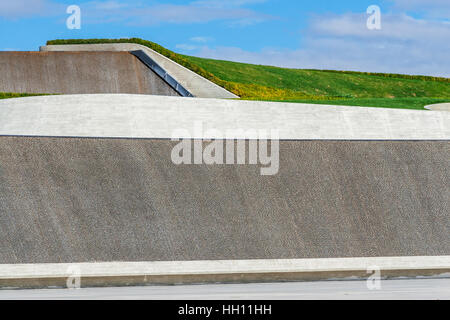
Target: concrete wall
(194,83)
(86,200)
(78,72)
(337,194)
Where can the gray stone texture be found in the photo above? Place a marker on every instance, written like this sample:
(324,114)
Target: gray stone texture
(87,200)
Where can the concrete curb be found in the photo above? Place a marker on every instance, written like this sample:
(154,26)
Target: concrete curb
(223,271)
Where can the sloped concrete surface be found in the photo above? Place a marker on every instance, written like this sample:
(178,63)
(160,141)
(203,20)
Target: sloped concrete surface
(194,83)
(439,107)
(144,116)
(92,200)
(78,72)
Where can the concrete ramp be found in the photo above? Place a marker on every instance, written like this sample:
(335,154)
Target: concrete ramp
(79,72)
(193,82)
(145,116)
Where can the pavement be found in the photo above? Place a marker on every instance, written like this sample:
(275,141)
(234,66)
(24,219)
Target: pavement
(439,107)
(417,289)
(163,117)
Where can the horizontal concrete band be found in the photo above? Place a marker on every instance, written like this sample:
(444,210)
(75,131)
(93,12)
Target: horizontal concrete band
(193,82)
(140,116)
(47,270)
(107,273)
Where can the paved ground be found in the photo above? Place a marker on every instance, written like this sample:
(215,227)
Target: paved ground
(429,289)
(439,107)
(150,116)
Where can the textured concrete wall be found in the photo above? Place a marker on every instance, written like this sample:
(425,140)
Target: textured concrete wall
(78,72)
(83,200)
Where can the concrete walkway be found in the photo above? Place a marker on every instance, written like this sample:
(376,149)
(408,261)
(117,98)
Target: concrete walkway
(439,107)
(420,289)
(144,116)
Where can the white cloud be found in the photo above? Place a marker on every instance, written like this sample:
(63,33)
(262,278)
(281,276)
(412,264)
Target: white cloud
(137,13)
(226,3)
(430,8)
(421,3)
(201,39)
(193,14)
(13,9)
(404,45)
(107,5)
(186,47)
(196,43)
(141,13)
(394,27)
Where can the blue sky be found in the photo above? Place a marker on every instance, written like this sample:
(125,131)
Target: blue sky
(414,39)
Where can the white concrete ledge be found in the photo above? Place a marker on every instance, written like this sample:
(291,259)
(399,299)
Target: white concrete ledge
(173,272)
(193,82)
(141,116)
(439,107)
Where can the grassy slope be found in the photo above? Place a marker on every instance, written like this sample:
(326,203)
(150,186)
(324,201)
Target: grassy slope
(331,87)
(8,95)
(329,83)
(399,103)
(297,85)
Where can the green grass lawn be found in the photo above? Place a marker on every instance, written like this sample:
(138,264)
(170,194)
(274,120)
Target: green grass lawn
(8,95)
(327,83)
(402,103)
(331,87)
(257,82)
